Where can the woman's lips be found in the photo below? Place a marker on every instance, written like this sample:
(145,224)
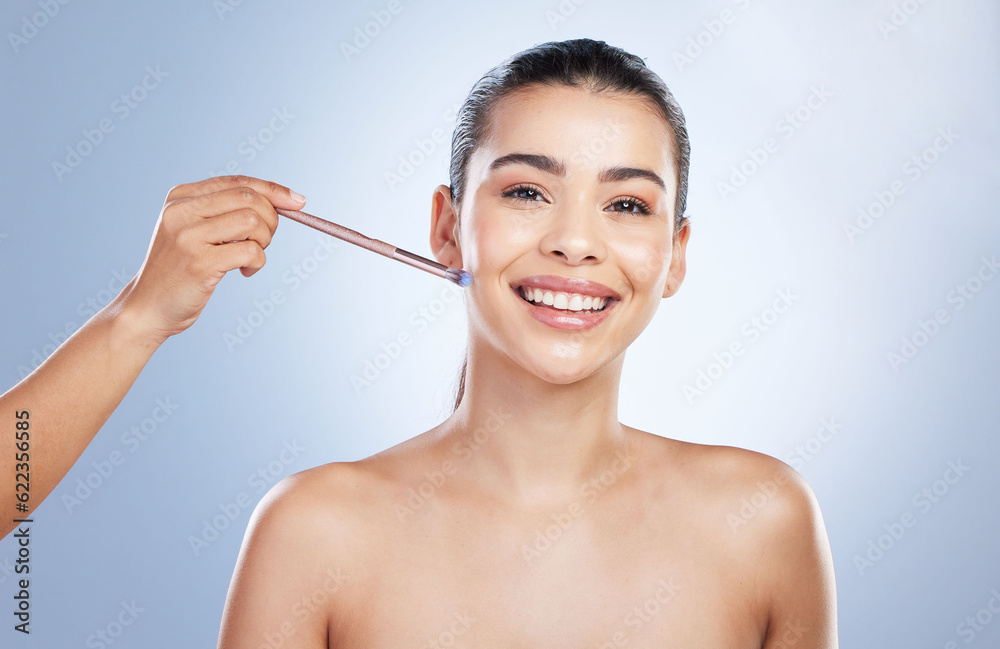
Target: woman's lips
(556,283)
(567,320)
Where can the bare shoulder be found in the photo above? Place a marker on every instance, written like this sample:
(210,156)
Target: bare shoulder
(331,502)
(310,518)
(748,486)
(306,553)
(766,525)
(340,506)
(764,486)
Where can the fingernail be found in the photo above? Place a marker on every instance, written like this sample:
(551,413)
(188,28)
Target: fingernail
(297,196)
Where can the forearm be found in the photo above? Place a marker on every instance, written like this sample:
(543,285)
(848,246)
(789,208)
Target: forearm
(68,398)
(205,230)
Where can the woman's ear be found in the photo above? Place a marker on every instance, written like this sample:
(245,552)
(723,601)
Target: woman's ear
(678,266)
(445,242)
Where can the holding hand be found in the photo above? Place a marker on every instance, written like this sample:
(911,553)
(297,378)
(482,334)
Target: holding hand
(205,229)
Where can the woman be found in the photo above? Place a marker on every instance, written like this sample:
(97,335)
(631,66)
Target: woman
(532,517)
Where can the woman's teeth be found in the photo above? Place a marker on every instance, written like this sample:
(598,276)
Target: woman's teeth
(564,301)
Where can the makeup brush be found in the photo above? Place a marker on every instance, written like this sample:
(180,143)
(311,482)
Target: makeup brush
(456,275)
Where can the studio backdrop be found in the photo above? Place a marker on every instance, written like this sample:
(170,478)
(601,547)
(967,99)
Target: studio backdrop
(839,312)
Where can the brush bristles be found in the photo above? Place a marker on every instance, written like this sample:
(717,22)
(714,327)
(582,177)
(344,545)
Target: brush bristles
(458,276)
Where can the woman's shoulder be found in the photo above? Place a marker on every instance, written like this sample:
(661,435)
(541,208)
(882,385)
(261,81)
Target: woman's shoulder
(323,523)
(763,521)
(740,488)
(336,490)
(341,497)
(723,465)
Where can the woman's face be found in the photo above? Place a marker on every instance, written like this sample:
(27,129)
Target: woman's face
(572,192)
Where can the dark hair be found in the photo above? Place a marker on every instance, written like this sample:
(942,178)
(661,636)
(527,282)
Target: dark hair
(580,62)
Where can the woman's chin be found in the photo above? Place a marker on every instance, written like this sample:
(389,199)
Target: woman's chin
(562,364)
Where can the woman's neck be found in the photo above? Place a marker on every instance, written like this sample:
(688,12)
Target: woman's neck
(533,440)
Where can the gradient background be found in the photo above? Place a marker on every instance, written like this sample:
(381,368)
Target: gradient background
(230,66)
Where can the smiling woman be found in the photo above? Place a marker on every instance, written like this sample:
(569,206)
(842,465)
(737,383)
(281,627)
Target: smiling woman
(532,517)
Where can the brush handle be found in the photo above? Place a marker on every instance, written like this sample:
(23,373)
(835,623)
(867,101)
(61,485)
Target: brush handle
(339,231)
(420,262)
(456,275)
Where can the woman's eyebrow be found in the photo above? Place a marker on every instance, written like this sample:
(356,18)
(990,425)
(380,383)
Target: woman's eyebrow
(543,162)
(618,174)
(555,167)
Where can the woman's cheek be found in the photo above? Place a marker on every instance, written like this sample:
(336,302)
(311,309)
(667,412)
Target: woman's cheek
(483,260)
(500,242)
(648,264)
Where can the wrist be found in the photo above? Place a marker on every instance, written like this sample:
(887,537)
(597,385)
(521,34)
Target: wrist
(131,328)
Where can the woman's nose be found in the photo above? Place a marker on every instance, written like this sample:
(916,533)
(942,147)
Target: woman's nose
(574,235)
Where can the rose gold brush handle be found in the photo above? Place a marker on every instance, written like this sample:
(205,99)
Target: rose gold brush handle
(455,275)
(339,231)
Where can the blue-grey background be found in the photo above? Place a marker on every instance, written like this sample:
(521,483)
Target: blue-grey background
(885,77)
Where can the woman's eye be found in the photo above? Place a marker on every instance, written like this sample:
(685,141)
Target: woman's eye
(523,194)
(631,206)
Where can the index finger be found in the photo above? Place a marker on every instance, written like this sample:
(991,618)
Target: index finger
(276,194)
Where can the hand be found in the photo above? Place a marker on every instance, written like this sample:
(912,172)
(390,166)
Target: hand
(205,229)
